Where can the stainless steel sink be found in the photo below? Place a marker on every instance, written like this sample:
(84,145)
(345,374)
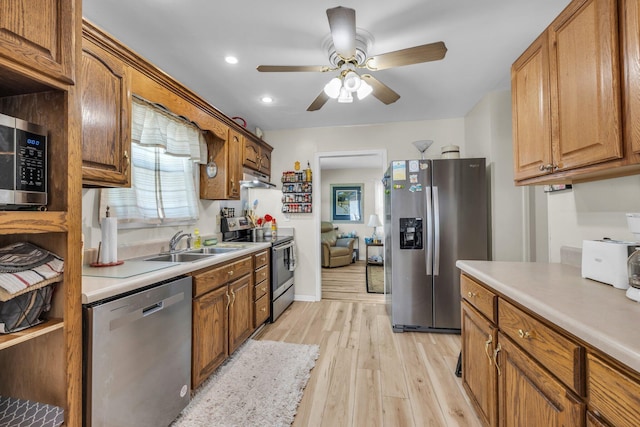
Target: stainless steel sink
(209,250)
(180,257)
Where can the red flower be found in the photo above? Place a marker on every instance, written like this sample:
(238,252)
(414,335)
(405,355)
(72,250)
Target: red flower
(268,218)
(259,222)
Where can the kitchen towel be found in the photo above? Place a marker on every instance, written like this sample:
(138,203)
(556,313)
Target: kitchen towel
(109,251)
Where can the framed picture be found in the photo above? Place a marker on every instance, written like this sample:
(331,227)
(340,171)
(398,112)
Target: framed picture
(346,203)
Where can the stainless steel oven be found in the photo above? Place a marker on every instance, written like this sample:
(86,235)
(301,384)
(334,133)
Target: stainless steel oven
(283,264)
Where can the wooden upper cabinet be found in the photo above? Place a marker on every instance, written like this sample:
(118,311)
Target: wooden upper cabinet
(236,145)
(40,36)
(257,156)
(585,84)
(531,111)
(106,118)
(631,68)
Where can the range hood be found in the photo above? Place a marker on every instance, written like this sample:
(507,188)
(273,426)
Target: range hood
(254,179)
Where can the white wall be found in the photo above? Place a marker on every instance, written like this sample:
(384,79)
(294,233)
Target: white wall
(591,210)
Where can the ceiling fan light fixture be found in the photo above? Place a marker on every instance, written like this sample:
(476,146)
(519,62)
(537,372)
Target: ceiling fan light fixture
(364,90)
(352,81)
(345,96)
(332,89)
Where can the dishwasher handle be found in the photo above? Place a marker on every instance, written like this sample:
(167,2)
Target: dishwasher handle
(145,311)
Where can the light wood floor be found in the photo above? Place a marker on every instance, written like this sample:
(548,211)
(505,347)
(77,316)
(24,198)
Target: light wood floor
(366,374)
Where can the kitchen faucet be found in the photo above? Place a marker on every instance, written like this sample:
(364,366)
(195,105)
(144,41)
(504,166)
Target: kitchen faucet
(176,239)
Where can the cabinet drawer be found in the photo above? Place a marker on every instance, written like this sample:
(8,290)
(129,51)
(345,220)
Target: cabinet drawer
(261,259)
(612,393)
(561,356)
(478,296)
(206,280)
(261,312)
(262,274)
(261,289)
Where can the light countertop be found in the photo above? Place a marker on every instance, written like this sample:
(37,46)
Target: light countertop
(596,313)
(107,282)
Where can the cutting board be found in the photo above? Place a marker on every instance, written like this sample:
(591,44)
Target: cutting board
(128,269)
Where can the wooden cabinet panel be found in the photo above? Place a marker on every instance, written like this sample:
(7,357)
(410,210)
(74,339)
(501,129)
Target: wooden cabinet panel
(240,312)
(210,345)
(557,353)
(262,310)
(531,107)
(612,393)
(261,289)
(262,273)
(106,118)
(585,87)
(261,259)
(485,301)
(40,35)
(478,373)
(631,68)
(257,156)
(528,395)
(236,144)
(595,421)
(208,279)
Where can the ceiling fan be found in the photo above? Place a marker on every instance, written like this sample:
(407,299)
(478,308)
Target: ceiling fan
(348,53)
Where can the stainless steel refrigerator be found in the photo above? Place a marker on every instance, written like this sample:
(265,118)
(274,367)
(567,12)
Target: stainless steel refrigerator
(436,212)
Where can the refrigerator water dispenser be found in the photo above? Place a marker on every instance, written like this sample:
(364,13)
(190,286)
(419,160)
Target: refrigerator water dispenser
(410,233)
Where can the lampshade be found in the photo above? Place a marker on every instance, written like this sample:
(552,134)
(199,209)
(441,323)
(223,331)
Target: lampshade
(374,221)
(351,81)
(345,96)
(364,90)
(332,89)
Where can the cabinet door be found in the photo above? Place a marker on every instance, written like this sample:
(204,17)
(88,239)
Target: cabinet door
(631,64)
(210,345)
(531,106)
(528,395)
(585,86)
(478,371)
(236,144)
(265,160)
(240,312)
(40,36)
(106,114)
(251,154)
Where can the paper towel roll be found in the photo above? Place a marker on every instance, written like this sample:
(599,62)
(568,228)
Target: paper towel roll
(109,253)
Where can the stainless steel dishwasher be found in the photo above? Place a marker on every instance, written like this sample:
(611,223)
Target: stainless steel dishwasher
(137,359)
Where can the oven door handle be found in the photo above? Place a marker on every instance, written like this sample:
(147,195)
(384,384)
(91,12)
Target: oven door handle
(283,247)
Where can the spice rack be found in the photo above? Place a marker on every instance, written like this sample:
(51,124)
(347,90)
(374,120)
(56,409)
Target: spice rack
(296,192)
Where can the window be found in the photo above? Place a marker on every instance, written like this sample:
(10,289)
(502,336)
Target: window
(164,148)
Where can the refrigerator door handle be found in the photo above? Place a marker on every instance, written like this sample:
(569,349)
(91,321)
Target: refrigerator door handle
(428,234)
(436,226)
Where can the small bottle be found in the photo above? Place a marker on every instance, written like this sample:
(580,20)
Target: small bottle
(274,229)
(197,242)
(308,174)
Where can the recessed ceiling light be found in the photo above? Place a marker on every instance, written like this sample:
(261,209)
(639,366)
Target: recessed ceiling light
(267,99)
(231,59)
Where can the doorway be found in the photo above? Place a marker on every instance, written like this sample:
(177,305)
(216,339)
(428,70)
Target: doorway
(372,163)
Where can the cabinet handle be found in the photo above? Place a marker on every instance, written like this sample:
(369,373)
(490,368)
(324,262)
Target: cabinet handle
(264,289)
(125,155)
(550,167)
(471,294)
(525,334)
(228,301)
(233,294)
(263,309)
(495,357)
(487,343)
(230,273)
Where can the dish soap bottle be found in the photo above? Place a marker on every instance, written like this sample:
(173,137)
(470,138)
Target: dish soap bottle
(197,242)
(274,229)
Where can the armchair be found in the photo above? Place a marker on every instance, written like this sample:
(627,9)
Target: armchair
(336,252)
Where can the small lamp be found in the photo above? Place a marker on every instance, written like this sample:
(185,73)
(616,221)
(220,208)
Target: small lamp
(374,222)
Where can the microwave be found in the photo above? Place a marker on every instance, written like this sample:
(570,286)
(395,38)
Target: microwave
(23,164)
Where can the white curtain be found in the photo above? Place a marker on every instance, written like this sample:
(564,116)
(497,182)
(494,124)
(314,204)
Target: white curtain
(163,151)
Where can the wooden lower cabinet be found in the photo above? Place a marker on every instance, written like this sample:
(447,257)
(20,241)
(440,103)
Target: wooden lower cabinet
(530,396)
(222,315)
(262,289)
(479,376)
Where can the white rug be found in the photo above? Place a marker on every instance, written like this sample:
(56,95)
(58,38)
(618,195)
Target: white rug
(260,385)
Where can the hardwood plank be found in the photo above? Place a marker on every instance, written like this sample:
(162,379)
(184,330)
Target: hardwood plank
(368,398)
(396,412)
(392,374)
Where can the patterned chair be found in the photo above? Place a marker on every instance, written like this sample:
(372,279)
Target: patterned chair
(336,252)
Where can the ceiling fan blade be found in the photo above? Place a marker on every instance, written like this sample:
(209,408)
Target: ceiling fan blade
(287,68)
(318,102)
(342,22)
(412,55)
(380,90)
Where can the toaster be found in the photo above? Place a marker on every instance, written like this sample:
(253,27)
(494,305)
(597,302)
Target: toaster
(606,261)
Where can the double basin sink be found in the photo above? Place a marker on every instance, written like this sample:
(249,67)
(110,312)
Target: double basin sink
(192,255)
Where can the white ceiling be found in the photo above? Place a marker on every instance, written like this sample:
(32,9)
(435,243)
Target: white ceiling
(189,40)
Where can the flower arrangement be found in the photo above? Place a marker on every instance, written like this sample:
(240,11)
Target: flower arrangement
(262,221)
